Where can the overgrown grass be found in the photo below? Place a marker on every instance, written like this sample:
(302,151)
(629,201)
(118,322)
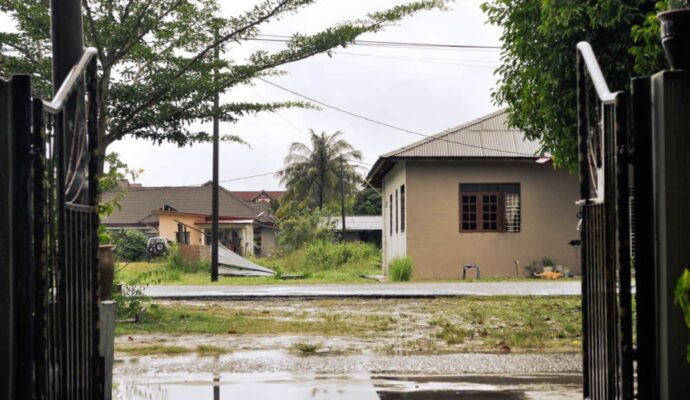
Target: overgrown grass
(451,334)
(318,262)
(534,324)
(188,319)
(400,269)
(211,350)
(354,258)
(151,349)
(160,349)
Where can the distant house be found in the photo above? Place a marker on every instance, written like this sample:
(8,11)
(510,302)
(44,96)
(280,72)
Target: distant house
(183,215)
(364,228)
(260,196)
(476,194)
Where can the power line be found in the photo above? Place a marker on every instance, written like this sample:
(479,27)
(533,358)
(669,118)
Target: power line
(276,172)
(381,43)
(252,176)
(387,124)
(419,59)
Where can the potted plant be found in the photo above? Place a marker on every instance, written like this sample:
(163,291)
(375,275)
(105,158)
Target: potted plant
(675,33)
(682,295)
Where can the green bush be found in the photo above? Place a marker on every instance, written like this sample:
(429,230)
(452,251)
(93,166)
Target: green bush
(323,255)
(130,244)
(298,230)
(400,269)
(174,263)
(682,295)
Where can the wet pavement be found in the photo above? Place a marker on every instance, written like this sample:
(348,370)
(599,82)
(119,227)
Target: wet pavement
(277,374)
(372,290)
(347,387)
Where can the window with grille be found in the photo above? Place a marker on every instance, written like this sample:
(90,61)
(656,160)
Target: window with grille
(390,214)
(402,208)
(397,210)
(490,207)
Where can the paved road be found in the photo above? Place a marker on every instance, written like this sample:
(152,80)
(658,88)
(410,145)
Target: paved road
(373,290)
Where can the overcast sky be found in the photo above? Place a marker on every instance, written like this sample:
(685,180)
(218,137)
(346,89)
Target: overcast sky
(418,89)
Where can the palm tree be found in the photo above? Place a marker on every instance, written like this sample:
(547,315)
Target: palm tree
(312,174)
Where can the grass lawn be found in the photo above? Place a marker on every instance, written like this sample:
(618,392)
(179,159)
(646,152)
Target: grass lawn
(130,271)
(469,324)
(161,276)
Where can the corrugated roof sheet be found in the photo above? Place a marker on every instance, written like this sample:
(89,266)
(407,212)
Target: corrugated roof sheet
(138,203)
(489,136)
(357,222)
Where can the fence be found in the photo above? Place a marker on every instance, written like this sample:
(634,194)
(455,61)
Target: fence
(49,193)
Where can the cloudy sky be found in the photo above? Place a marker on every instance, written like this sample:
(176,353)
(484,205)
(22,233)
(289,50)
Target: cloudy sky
(422,90)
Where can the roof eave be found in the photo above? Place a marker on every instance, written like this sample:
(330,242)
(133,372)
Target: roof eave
(385,164)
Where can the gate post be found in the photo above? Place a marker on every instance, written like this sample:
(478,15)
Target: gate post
(6,276)
(671,147)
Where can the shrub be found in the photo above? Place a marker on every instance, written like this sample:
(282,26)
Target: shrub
(323,255)
(400,269)
(174,263)
(299,229)
(130,244)
(547,262)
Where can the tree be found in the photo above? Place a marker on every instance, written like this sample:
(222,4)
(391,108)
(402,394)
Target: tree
(537,72)
(156,58)
(368,202)
(313,175)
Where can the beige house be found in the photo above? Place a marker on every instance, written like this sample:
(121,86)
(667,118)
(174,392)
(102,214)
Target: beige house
(476,194)
(183,214)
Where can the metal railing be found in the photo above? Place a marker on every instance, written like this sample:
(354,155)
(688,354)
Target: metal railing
(70,83)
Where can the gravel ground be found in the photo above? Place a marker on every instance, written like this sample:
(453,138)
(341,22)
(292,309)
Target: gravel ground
(372,290)
(277,361)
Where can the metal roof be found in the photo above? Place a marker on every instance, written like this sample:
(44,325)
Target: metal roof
(139,202)
(358,223)
(488,137)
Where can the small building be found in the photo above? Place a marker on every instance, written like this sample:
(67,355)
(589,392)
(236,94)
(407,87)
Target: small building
(362,228)
(479,193)
(183,215)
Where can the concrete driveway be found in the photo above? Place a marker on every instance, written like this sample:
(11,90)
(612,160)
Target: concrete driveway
(373,290)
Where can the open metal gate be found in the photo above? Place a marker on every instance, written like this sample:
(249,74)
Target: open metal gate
(49,255)
(618,236)
(605,234)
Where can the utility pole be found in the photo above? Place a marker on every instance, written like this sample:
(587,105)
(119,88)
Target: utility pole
(214,190)
(342,194)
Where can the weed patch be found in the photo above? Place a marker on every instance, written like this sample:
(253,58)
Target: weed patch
(306,348)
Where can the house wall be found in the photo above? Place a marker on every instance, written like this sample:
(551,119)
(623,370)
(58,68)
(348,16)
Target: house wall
(394,243)
(244,231)
(268,241)
(167,227)
(438,248)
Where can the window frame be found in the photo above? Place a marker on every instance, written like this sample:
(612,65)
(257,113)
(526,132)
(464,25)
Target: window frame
(500,193)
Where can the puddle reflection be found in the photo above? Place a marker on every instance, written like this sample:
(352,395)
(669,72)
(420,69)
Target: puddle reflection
(287,387)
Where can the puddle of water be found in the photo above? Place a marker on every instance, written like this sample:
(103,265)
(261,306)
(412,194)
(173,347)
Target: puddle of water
(282,386)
